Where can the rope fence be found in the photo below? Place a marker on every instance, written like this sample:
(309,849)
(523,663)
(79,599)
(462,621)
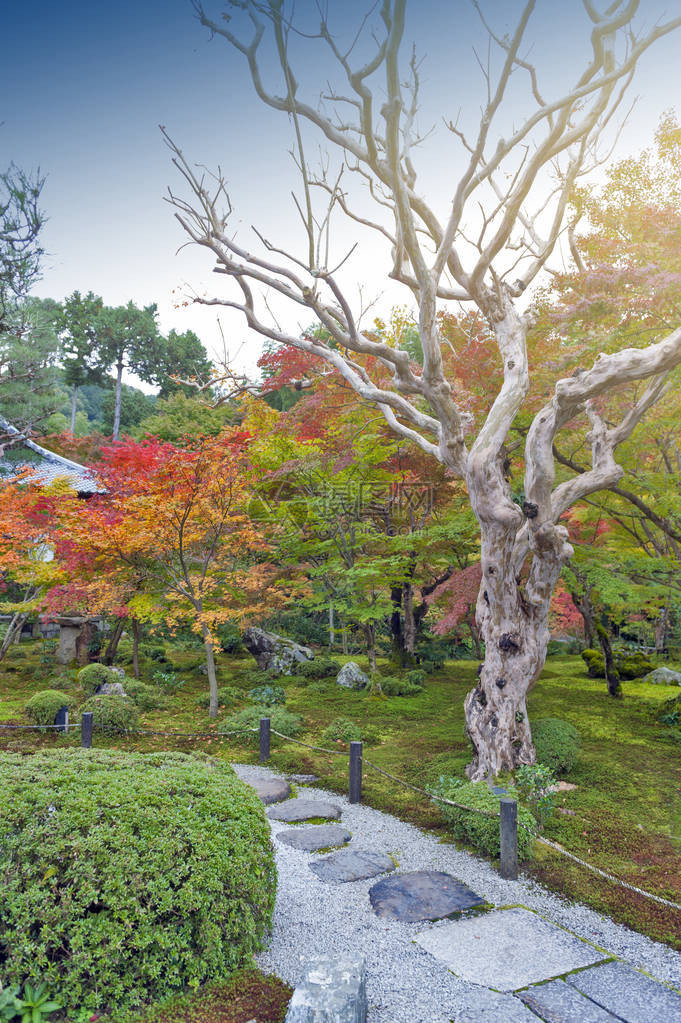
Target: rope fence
(508,808)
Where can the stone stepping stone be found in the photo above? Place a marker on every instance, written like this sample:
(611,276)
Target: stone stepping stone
(320,836)
(271,790)
(332,990)
(558,1002)
(627,994)
(484,1006)
(422,895)
(508,949)
(352,865)
(304,810)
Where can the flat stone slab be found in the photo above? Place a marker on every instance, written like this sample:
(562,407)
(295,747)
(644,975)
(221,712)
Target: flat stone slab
(507,949)
(320,836)
(558,1002)
(333,990)
(304,810)
(485,1006)
(352,865)
(627,994)
(422,895)
(271,790)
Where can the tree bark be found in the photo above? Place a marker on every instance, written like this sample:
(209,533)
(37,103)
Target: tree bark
(212,676)
(611,673)
(370,639)
(112,645)
(409,624)
(13,630)
(332,631)
(73,408)
(135,648)
(117,403)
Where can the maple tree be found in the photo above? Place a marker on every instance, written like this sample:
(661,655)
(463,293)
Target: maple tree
(170,540)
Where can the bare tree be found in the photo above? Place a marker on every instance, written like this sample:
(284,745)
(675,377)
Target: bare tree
(507,211)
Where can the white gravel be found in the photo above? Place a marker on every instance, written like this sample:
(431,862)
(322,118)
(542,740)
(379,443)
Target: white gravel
(404,983)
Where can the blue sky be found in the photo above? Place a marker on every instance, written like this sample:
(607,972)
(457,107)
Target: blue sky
(85,86)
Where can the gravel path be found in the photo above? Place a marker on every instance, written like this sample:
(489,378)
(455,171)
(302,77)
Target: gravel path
(405,984)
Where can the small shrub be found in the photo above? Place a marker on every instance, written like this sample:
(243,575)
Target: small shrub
(92,676)
(267,695)
(124,652)
(227,695)
(112,713)
(535,783)
(129,877)
(595,663)
(144,696)
(482,832)
(281,720)
(430,666)
(229,638)
(416,676)
(167,680)
(557,744)
(155,653)
(344,730)
(669,713)
(321,667)
(392,686)
(633,666)
(42,708)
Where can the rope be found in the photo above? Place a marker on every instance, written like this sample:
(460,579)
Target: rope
(320,749)
(136,731)
(430,795)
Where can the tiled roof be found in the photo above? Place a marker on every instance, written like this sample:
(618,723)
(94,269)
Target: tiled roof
(49,466)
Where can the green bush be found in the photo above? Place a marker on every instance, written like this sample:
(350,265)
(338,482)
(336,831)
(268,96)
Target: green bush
(124,651)
(127,877)
(344,730)
(595,663)
(267,695)
(144,696)
(321,667)
(482,832)
(42,708)
(227,696)
(669,713)
(281,720)
(155,653)
(112,713)
(94,675)
(229,638)
(167,680)
(557,744)
(393,686)
(631,666)
(416,676)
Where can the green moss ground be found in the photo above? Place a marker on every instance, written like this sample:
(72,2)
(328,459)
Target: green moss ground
(624,816)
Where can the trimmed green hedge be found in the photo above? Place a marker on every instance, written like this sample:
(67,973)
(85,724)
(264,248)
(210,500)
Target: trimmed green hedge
(42,708)
(112,713)
(557,744)
(127,877)
(482,832)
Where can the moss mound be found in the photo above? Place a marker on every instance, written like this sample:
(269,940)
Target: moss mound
(112,713)
(145,874)
(557,744)
(42,708)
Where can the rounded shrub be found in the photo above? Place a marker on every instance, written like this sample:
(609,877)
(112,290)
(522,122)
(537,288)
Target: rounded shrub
(344,730)
(227,695)
(230,638)
(94,675)
(478,829)
(144,696)
(633,666)
(320,667)
(127,877)
(112,713)
(393,686)
(267,695)
(42,708)
(557,744)
(280,719)
(595,663)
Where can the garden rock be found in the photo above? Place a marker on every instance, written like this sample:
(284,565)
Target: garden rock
(663,676)
(109,688)
(333,990)
(275,653)
(422,895)
(351,676)
(271,790)
(628,994)
(352,865)
(303,810)
(320,836)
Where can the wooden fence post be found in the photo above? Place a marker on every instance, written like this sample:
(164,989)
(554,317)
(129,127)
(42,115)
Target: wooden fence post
(355,772)
(86,729)
(264,739)
(508,839)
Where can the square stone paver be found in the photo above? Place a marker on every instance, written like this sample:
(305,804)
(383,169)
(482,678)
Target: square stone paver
(628,994)
(485,1006)
(507,949)
(558,1002)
